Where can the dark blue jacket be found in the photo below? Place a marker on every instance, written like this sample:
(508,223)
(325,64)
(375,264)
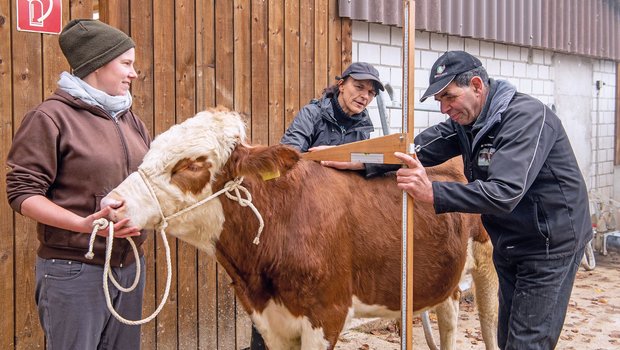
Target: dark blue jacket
(315,125)
(522,172)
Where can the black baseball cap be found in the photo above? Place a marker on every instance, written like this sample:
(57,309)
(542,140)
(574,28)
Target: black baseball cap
(448,66)
(363,71)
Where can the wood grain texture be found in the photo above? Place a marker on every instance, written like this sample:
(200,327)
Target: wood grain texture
(259,123)
(265,59)
(27,93)
(7,218)
(164,104)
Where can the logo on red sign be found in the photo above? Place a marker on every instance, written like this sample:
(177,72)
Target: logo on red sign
(40,16)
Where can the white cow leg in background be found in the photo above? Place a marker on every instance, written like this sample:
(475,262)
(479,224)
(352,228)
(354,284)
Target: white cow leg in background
(485,292)
(447,318)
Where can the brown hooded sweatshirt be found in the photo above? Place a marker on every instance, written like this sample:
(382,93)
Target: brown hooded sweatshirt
(73,153)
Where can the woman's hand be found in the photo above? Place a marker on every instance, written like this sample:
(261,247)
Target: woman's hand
(121,228)
(46,212)
(338,165)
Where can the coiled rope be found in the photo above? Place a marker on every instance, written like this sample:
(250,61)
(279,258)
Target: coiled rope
(100,224)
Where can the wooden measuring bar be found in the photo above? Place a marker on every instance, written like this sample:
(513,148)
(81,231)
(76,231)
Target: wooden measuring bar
(378,150)
(381,150)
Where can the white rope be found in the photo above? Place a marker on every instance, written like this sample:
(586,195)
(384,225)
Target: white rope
(245,202)
(107,273)
(100,224)
(230,186)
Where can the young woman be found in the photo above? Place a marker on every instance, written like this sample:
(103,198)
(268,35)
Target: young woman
(68,152)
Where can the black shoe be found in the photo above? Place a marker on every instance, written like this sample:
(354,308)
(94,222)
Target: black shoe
(256,342)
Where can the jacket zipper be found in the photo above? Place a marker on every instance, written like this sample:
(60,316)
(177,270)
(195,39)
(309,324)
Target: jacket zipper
(468,154)
(547,240)
(343,133)
(125,251)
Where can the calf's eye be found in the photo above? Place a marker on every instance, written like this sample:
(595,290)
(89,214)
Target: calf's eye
(195,166)
(191,175)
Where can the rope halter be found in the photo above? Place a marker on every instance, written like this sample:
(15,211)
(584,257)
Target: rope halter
(233,186)
(100,224)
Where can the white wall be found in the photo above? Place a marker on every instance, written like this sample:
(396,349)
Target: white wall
(565,81)
(602,116)
(573,101)
(616,194)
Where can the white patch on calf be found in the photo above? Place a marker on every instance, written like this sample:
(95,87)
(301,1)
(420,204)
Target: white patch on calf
(139,204)
(200,227)
(282,330)
(365,310)
(211,134)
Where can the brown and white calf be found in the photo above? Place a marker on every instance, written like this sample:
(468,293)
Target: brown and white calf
(331,245)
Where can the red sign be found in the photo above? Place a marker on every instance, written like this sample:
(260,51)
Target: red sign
(41,16)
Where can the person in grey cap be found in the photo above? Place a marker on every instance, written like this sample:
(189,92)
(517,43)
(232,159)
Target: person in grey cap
(71,149)
(339,116)
(525,181)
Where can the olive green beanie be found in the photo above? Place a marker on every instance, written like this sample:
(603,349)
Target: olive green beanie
(89,44)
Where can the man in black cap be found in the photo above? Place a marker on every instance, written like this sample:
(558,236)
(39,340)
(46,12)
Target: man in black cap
(524,180)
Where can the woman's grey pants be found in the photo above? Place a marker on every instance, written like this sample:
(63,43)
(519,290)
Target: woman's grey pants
(73,310)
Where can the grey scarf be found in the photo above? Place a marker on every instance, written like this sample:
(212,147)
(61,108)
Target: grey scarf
(78,88)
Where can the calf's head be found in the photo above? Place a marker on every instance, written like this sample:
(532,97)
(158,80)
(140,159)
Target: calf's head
(180,169)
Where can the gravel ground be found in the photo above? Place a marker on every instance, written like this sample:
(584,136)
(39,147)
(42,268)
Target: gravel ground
(592,321)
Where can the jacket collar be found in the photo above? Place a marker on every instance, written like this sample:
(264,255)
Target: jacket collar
(65,97)
(501,93)
(327,113)
(76,87)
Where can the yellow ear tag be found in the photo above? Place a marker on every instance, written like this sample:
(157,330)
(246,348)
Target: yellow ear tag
(270,175)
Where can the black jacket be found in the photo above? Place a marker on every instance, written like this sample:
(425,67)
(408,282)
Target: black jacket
(315,125)
(523,176)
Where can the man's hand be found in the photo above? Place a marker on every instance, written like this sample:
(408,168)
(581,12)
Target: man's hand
(343,165)
(338,165)
(413,179)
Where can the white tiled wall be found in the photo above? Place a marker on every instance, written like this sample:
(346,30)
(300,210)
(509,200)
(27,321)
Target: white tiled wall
(603,127)
(530,70)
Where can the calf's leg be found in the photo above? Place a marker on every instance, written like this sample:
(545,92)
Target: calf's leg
(485,292)
(447,317)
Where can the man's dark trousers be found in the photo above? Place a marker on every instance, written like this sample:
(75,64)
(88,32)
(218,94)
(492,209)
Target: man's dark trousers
(533,298)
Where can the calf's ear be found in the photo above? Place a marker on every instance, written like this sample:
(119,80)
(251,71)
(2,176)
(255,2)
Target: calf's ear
(265,161)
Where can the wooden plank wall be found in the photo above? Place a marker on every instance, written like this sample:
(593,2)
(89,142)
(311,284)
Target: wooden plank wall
(265,59)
